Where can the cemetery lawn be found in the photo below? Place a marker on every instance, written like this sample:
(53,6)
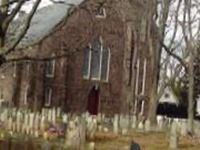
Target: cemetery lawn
(147,141)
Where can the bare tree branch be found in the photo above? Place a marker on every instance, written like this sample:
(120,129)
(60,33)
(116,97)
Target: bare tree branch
(174,56)
(23,32)
(10,3)
(13,13)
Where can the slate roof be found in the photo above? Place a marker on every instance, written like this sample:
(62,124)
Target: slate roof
(44,20)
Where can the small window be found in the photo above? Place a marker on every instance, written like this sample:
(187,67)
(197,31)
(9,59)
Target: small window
(50,68)
(101,13)
(48,96)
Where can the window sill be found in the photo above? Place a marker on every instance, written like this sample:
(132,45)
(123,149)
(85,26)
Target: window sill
(49,75)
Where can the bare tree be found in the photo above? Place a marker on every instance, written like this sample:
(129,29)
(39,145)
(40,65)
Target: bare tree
(8,12)
(178,31)
(183,27)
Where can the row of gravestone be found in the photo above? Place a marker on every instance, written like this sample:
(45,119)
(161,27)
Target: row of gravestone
(79,127)
(27,122)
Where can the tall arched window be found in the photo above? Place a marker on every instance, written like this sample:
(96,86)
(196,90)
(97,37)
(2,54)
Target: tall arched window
(96,61)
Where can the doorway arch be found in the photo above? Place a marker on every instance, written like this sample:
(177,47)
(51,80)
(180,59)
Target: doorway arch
(93,100)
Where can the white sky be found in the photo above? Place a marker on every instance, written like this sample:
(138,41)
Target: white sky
(28,6)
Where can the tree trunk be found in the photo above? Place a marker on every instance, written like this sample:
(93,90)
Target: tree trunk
(191,91)
(153,92)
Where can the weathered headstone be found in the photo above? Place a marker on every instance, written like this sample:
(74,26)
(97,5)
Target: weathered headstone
(91,146)
(173,137)
(64,118)
(36,121)
(31,120)
(134,122)
(116,124)
(72,136)
(58,111)
(160,121)
(42,123)
(18,121)
(124,124)
(49,115)
(10,123)
(46,146)
(91,127)
(54,116)
(26,124)
(183,129)
(147,125)
(141,125)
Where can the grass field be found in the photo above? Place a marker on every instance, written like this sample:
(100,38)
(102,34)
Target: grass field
(147,141)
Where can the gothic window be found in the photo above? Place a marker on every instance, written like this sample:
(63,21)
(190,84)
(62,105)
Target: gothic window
(48,96)
(50,68)
(86,64)
(100,12)
(96,62)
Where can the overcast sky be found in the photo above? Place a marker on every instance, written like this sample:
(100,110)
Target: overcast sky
(42,4)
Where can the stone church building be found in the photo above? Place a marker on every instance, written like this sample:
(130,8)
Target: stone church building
(89,55)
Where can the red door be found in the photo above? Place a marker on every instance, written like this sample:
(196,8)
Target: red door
(93,101)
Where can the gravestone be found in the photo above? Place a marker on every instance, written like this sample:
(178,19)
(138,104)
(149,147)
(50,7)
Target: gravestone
(46,146)
(82,132)
(134,122)
(10,123)
(91,146)
(173,138)
(160,122)
(4,115)
(36,121)
(31,120)
(25,126)
(116,124)
(54,116)
(64,118)
(49,117)
(72,139)
(141,126)
(124,123)
(58,111)
(147,125)
(91,127)
(183,128)
(99,118)
(42,123)
(18,121)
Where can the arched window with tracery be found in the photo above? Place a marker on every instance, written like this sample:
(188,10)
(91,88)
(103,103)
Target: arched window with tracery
(96,61)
